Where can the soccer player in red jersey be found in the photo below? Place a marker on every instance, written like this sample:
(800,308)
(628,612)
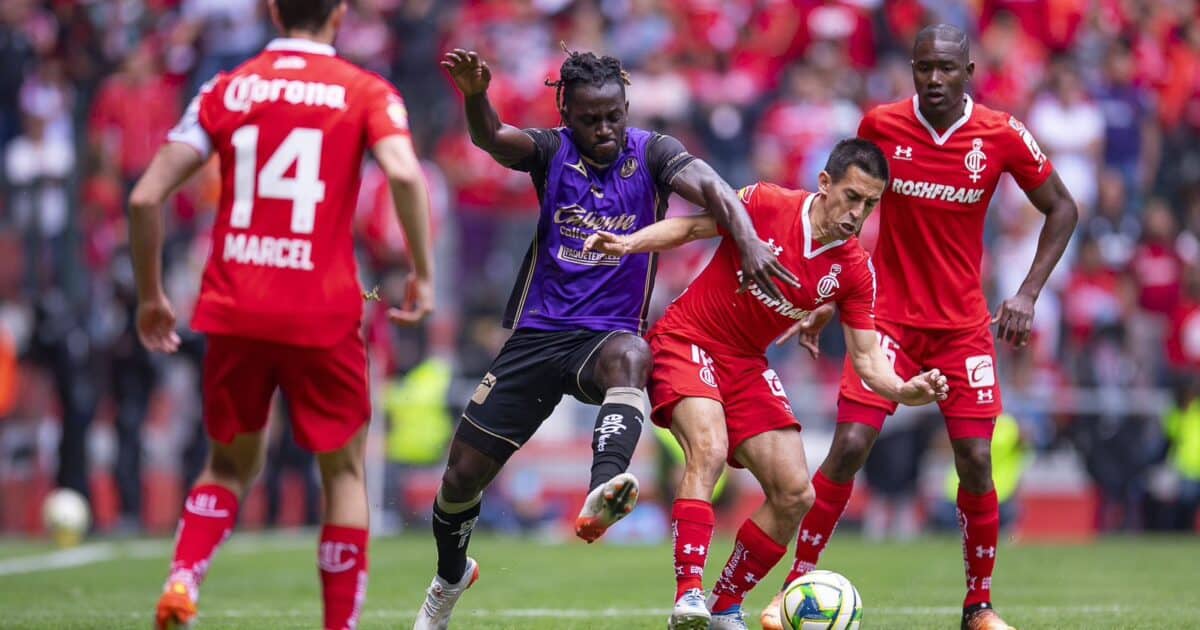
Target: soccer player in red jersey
(280,300)
(946,154)
(710,383)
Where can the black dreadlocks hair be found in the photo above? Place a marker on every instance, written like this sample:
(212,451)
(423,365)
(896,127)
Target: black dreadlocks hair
(585,69)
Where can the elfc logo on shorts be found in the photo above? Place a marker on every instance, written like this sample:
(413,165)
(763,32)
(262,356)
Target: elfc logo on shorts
(981,371)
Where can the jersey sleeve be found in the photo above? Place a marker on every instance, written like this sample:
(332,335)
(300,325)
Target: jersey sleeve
(385,112)
(546,143)
(1023,157)
(866,127)
(190,129)
(858,304)
(666,157)
(758,198)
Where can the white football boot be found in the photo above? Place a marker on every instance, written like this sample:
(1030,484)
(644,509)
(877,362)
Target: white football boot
(690,612)
(608,503)
(731,619)
(441,596)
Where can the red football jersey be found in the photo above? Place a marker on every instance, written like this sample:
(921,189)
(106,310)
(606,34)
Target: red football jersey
(290,127)
(932,213)
(711,310)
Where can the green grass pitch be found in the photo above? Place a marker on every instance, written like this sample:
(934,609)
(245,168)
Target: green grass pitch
(270,582)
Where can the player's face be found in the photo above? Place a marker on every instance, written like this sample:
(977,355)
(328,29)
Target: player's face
(596,116)
(850,201)
(940,73)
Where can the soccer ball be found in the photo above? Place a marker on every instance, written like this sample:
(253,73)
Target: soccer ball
(66,516)
(821,600)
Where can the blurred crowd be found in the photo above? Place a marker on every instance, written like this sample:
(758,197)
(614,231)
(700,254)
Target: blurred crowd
(762,89)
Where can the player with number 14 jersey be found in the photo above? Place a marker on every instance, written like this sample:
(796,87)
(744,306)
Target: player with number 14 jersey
(277,272)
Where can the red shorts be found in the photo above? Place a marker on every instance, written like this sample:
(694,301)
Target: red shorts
(326,389)
(966,357)
(750,392)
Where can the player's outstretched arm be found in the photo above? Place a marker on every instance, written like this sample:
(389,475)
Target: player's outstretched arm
(399,163)
(808,330)
(471,75)
(1015,315)
(877,372)
(171,166)
(656,237)
(701,185)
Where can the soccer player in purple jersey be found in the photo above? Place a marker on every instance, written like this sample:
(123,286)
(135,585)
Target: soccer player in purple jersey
(576,316)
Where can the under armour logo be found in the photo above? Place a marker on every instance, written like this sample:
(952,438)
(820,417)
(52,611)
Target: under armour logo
(751,578)
(696,549)
(985,396)
(814,538)
(902,153)
(981,551)
(775,249)
(205,505)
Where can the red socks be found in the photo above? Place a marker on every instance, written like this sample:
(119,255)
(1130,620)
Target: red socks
(754,555)
(979,518)
(208,518)
(692,528)
(819,523)
(209,514)
(342,558)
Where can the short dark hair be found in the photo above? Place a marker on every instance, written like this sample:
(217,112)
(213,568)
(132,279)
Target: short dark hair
(586,69)
(857,152)
(945,33)
(305,15)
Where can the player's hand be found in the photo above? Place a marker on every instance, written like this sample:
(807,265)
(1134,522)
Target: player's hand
(418,302)
(156,325)
(1015,317)
(924,388)
(808,329)
(607,243)
(760,266)
(470,73)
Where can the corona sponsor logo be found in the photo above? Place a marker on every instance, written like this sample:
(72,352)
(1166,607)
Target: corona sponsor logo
(246,91)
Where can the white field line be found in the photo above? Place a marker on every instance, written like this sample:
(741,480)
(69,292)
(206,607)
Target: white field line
(95,553)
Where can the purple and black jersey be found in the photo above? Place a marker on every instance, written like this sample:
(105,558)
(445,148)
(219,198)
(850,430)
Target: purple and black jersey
(561,287)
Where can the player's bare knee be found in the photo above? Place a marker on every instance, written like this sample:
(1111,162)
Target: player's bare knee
(792,499)
(848,454)
(705,451)
(973,461)
(341,466)
(234,467)
(461,483)
(706,465)
(624,362)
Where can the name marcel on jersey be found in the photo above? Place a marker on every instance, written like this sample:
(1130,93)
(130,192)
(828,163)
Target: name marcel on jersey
(246,90)
(930,190)
(268,251)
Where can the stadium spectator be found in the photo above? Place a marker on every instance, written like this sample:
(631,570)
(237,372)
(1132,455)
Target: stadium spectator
(132,114)
(1070,129)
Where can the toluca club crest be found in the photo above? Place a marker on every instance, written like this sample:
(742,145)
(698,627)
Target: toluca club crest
(828,284)
(976,159)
